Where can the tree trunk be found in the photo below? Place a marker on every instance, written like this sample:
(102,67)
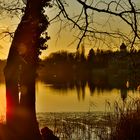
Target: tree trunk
(27,105)
(12,100)
(20,73)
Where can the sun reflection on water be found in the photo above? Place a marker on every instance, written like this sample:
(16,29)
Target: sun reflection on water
(2,103)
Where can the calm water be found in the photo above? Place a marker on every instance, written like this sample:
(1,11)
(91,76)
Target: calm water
(55,106)
(71,100)
(49,99)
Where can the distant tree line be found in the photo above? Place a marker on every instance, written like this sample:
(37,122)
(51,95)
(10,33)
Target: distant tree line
(103,68)
(94,60)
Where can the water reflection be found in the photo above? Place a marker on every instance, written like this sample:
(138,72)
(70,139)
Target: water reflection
(80,98)
(75,92)
(2,102)
(80,89)
(100,83)
(50,99)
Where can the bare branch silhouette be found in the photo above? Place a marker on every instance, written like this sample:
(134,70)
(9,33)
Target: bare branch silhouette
(125,11)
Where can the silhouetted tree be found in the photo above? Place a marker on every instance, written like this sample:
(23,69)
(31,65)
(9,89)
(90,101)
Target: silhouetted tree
(77,57)
(20,71)
(82,55)
(91,55)
(89,24)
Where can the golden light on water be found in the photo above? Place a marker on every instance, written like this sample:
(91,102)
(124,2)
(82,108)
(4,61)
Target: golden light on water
(50,100)
(2,102)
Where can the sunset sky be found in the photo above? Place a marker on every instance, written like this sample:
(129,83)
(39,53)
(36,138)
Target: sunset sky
(61,40)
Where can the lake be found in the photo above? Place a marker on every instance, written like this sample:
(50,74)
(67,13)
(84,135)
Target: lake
(59,108)
(50,99)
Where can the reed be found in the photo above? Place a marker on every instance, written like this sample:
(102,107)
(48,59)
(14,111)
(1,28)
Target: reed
(123,123)
(127,121)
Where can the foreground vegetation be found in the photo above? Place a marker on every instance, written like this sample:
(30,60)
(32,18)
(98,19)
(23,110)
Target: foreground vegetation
(127,121)
(121,124)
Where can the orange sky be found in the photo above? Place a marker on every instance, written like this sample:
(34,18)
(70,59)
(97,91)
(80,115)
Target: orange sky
(55,43)
(58,41)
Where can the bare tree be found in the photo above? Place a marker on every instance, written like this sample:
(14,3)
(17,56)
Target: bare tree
(101,20)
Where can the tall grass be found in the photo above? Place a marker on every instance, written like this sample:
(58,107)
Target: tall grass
(121,124)
(127,121)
